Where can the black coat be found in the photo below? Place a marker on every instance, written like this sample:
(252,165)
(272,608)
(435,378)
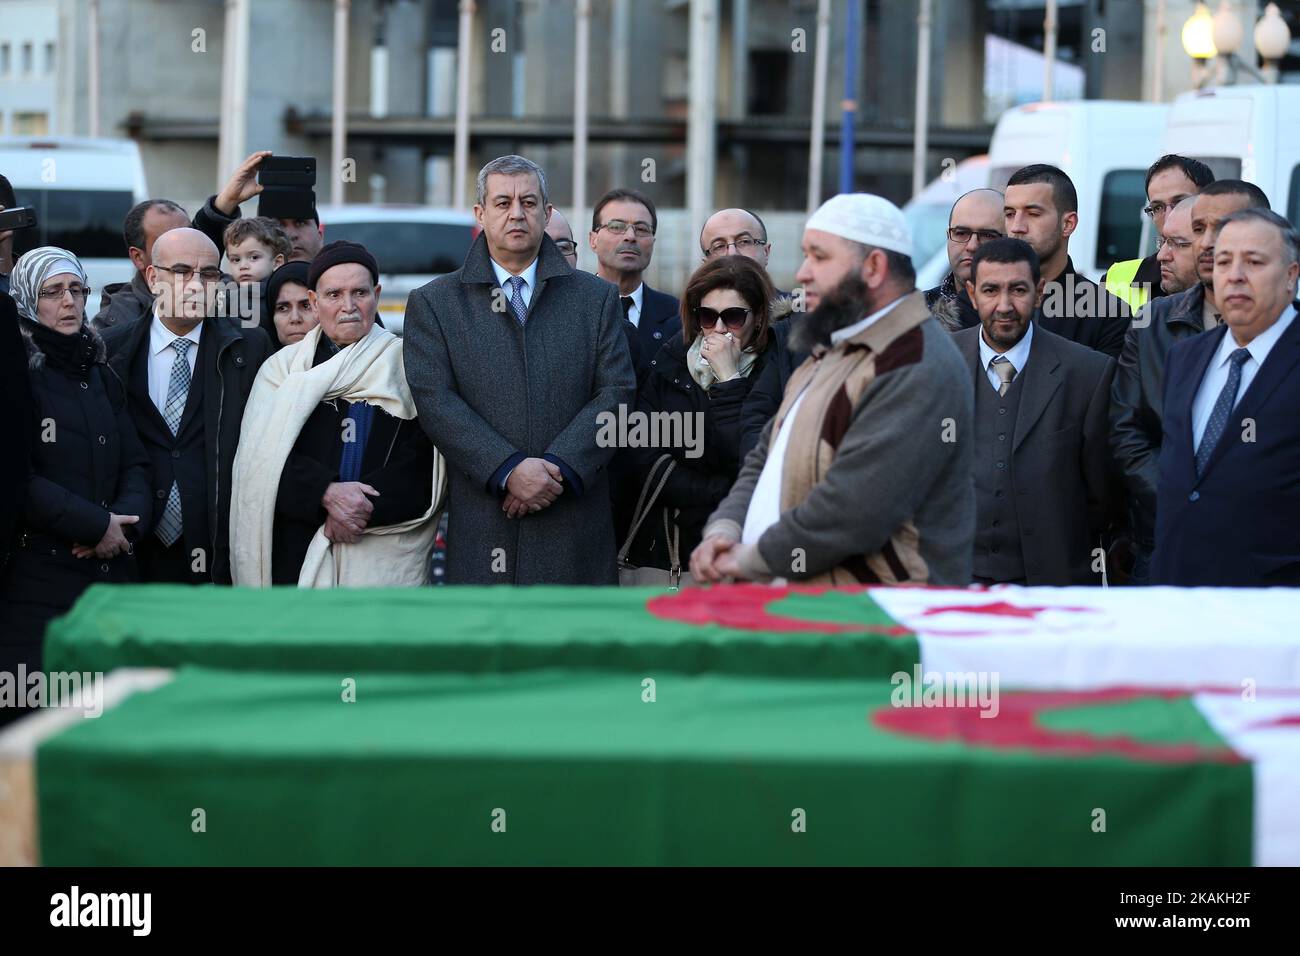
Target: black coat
(1136,419)
(660,321)
(1076,308)
(697,484)
(397,462)
(17,397)
(200,457)
(951,306)
(87,461)
(768,387)
(1238,523)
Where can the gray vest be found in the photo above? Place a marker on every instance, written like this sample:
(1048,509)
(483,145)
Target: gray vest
(997,529)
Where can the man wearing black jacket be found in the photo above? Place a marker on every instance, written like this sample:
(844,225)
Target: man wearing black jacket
(976,218)
(1042,208)
(187,379)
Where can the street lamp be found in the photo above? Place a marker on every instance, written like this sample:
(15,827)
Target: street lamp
(1198,41)
(1272,40)
(1206,37)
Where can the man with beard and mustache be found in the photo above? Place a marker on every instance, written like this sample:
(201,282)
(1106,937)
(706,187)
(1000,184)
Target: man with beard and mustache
(1043,481)
(864,473)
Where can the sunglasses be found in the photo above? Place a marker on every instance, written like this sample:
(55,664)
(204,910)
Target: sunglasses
(733,318)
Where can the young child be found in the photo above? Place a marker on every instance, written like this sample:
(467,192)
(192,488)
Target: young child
(254,249)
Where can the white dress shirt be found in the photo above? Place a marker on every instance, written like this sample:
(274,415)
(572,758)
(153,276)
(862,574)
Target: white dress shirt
(1216,375)
(765,503)
(634,313)
(1017,355)
(162,356)
(529,275)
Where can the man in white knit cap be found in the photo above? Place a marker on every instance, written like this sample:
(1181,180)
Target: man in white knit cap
(864,475)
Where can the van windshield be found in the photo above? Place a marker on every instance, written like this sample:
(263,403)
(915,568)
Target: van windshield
(87,222)
(406,248)
(1223,167)
(1119,228)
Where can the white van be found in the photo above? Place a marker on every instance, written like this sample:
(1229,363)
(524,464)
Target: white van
(1243,132)
(81,189)
(1105,147)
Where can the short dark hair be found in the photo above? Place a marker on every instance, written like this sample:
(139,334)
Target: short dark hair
(1290,238)
(133,225)
(7,198)
(1064,196)
(1238,187)
(1193,169)
(1007,250)
(900,266)
(746,277)
(630,195)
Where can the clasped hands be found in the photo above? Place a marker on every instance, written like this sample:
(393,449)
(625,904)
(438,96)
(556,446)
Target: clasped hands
(348,510)
(533,484)
(113,543)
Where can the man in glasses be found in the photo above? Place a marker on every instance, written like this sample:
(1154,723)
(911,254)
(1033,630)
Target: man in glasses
(623,226)
(976,218)
(735,232)
(1170,180)
(562,233)
(187,380)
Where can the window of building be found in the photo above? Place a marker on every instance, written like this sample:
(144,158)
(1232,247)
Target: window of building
(769,82)
(1224,167)
(1293,205)
(27,58)
(4,59)
(49,58)
(31,124)
(1119,227)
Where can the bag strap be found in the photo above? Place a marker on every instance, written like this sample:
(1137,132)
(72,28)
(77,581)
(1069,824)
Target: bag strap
(673,538)
(643,507)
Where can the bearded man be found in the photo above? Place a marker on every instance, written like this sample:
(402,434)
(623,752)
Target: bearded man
(865,472)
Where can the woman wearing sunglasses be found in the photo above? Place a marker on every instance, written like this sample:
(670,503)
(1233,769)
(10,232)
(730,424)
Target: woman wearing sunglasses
(88,483)
(701,380)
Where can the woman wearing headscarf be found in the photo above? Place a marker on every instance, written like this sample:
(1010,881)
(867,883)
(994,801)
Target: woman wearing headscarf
(88,483)
(701,379)
(289,314)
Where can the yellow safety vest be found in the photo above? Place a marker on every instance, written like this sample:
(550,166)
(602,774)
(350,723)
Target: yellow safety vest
(1119,283)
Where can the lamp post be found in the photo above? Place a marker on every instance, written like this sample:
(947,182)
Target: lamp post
(1206,37)
(1272,40)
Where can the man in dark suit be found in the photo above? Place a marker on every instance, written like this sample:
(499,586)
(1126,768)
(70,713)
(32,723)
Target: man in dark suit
(1043,481)
(514,360)
(1042,208)
(1229,484)
(187,379)
(623,226)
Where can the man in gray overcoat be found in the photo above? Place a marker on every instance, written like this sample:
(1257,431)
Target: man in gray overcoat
(512,360)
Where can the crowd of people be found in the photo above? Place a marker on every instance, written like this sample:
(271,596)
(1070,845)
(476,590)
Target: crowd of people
(253,423)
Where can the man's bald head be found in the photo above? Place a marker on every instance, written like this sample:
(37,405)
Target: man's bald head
(561,232)
(976,217)
(183,276)
(735,232)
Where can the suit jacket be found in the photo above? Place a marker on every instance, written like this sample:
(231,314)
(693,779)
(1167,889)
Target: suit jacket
(1060,456)
(1235,525)
(199,458)
(491,391)
(660,320)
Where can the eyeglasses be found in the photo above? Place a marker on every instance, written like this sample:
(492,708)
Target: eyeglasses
(78,292)
(733,318)
(1179,244)
(642,230)
(961,235)
(185,273)
(1160,208)
(567,246)
(742,245)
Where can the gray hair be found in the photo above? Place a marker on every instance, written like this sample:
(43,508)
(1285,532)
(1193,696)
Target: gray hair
(511,166)
(1290,238)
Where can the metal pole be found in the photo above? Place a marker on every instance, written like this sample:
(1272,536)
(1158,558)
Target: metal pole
(701,129)
(581,77)
(921,135)
(460,178)
(817,133)
(849,105)
(338,125)
(93,25)
(234,90)
(1158,81)
(739,58)
(1049,50)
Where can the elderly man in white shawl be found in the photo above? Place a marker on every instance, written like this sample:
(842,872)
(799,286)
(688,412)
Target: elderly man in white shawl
(335,483)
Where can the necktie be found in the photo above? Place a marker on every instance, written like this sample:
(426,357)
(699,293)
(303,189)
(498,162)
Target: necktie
(354,449)
(517,298)
(178,390)
(627,308)
(1005,372)
(1218,423)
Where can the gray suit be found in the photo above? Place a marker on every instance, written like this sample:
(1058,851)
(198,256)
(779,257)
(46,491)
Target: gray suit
(1061,480)
(488,389)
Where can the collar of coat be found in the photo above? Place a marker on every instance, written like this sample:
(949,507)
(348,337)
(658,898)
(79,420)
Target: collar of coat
(36,355)
(907,315)
(551,263)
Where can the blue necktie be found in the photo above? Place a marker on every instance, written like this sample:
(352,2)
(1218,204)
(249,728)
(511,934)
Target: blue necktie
(517,305)
(350,464)
(178,391)
(1218,423)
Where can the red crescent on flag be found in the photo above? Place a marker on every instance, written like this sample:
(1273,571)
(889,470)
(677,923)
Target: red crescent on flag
(744,607)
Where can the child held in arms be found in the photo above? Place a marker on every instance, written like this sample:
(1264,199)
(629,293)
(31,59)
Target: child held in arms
(254,249)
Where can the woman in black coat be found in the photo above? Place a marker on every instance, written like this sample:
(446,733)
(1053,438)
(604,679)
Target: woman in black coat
(88,482)
(702,378)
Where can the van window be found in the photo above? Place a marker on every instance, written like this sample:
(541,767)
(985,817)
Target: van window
(1223,167)
(1293,204)
(404,248)
(1119,227)
(87,222)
